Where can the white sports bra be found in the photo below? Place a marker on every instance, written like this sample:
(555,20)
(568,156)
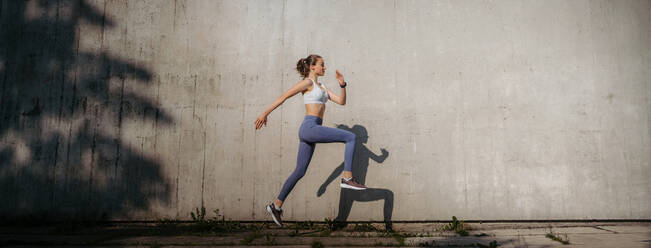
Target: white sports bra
(317,95)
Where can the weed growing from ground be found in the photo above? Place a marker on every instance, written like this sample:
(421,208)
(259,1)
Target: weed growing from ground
(216,224)
(556,237)
(329,224)
(199,215)
(457,226)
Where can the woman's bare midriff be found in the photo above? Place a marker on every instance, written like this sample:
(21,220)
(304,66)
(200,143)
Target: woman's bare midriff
(315,109)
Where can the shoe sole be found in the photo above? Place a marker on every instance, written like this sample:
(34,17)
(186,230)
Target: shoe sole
(273,216)
(346,186)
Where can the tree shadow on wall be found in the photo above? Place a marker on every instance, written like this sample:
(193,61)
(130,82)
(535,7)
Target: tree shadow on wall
(62,115)
(360,166)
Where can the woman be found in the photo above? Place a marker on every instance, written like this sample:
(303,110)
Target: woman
(311,132)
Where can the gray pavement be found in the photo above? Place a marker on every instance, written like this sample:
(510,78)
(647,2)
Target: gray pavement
(577,234)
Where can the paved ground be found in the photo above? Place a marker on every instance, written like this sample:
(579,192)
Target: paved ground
(308,234)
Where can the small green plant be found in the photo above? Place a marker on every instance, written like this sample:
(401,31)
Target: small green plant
(215,224)
(330,225)
(198,215)
(556,237)
(457,226)
(317,244)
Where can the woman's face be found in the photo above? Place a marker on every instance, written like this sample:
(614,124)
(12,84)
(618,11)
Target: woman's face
(319,68)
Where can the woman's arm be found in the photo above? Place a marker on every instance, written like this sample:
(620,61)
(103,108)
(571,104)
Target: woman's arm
(298,87)
(341,100)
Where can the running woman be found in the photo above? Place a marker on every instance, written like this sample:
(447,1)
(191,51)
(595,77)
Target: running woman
(311,131)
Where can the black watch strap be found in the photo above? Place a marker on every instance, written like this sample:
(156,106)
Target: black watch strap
(343,86)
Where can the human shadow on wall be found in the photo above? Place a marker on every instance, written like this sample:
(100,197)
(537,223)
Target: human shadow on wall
(62,112)
(360,166)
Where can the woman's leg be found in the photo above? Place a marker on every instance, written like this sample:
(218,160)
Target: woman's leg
(311,133)
(321,134)
(305,151)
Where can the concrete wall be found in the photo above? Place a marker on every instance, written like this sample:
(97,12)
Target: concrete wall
(493,110)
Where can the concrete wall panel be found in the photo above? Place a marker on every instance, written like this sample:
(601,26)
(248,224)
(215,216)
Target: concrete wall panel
(493,110)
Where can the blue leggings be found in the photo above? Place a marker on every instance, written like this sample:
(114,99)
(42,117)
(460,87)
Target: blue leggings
(310,133)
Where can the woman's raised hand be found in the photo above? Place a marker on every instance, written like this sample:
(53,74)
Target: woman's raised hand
(262,119)
(339,77)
